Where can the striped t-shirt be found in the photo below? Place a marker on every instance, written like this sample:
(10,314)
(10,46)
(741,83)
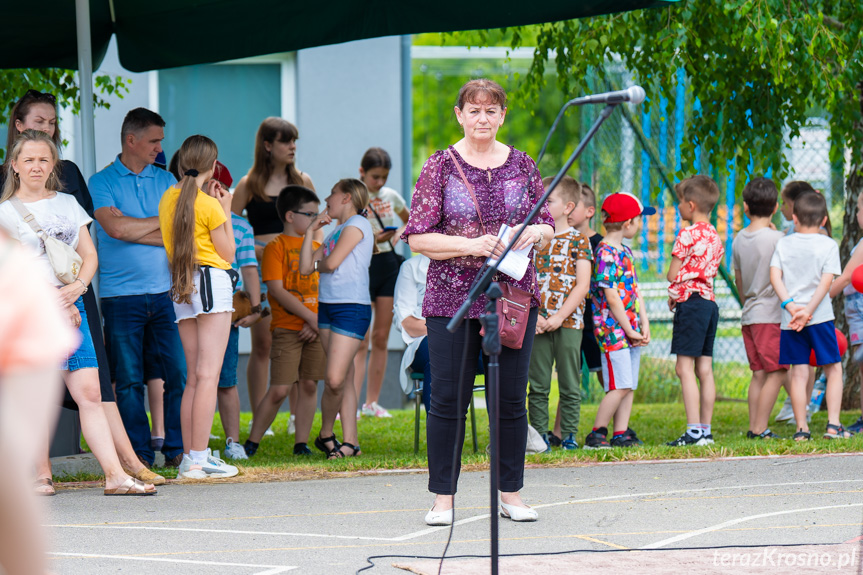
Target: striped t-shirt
(244,238)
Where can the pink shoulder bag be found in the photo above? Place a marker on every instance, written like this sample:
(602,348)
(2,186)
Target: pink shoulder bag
(513,307)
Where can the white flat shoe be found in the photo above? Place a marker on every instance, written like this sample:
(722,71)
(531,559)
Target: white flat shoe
(518,513)
(439,517)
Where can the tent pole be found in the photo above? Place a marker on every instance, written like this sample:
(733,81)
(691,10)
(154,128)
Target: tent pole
(85,81)
(406,117)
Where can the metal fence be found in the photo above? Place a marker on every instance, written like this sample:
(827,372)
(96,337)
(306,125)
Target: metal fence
(637,150)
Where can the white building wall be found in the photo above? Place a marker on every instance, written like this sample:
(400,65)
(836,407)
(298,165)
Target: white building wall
(348,100)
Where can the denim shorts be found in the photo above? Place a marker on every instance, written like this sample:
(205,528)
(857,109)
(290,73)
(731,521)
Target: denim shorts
(85,356)
(350,319)
(228,376)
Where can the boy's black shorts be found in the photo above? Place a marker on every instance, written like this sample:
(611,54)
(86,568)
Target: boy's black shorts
(695,323)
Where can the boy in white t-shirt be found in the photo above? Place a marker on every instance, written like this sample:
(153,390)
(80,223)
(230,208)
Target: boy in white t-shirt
(752,251)
(801,271)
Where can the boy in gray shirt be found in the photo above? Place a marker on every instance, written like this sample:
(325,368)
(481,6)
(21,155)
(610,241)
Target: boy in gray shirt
(801,271)
(751,253)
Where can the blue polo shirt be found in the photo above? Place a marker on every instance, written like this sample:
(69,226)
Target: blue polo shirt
(127,268)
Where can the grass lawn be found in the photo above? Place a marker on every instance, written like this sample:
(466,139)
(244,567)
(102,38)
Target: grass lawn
(388,443)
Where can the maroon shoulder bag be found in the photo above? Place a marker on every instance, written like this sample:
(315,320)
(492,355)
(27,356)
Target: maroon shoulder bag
(513,307)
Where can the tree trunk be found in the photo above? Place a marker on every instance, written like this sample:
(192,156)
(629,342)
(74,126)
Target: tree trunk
(850,236)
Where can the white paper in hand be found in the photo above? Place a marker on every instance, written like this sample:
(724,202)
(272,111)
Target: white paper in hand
(515,263)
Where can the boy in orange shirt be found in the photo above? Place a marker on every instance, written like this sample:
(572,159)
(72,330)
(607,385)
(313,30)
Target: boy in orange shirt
(296,356)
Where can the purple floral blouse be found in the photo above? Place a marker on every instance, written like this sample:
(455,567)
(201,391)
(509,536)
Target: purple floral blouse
(442,204)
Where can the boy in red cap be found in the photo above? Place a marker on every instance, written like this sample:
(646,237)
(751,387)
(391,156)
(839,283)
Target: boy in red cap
(620,320)
(695,261)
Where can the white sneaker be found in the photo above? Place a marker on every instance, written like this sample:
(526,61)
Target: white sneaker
(292,425)
(375,410)
(269,432)
(214,436)
(786,412)
(188,469)
(217,469)
(234,450)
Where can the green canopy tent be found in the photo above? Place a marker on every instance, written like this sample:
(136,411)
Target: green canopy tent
(157,34)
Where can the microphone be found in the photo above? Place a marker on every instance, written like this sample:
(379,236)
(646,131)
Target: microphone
(633,94)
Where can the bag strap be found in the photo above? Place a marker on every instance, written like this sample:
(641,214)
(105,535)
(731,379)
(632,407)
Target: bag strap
(469,188)
(27,216)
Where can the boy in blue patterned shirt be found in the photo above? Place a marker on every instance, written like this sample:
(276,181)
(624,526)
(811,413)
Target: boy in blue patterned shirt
(620,320)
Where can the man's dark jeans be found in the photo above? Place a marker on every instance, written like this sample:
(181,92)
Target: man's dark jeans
(138,327)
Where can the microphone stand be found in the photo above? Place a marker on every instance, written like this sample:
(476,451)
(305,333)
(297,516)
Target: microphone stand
(491,340)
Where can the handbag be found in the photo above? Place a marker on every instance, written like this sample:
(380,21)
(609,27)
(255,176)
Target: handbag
(64,260)
(513,307)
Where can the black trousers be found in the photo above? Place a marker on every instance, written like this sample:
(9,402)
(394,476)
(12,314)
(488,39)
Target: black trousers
(445,355)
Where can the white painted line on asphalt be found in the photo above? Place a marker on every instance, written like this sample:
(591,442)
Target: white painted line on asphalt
(271,569)
(739,520)
(226,531)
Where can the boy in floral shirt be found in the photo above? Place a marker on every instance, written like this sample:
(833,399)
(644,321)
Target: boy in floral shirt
(563,275)
(695,260)
(620,320)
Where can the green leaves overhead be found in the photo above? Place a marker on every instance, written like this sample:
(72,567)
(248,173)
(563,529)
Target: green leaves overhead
(759,68)
(62,83)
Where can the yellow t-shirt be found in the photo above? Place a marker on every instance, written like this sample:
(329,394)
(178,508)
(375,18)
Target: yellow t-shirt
(209,215)
(282,262)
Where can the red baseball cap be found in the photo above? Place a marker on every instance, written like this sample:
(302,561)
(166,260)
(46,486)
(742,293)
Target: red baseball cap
(222,175)
(621,206)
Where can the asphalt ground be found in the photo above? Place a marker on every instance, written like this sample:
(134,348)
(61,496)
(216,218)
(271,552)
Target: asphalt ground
(605,513)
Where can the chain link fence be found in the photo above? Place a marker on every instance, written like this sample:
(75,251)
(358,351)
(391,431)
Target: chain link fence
(637,150)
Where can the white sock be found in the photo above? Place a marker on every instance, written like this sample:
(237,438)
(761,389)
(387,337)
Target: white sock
(694,429)
(198,457)
(705,429)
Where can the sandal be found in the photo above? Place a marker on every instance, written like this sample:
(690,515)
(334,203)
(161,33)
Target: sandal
(355,450)
(131,486)
(767,434)
(44,486)
(146,476)
(801,436)
(321,443)
(838,432)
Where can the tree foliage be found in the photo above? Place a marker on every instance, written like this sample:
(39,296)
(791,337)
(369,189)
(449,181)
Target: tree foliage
(63,84)
(757,67)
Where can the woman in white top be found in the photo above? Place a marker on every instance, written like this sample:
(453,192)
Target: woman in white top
(344,306)
(31,185)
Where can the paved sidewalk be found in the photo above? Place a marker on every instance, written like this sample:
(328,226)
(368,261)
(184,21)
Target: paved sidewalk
(331,526)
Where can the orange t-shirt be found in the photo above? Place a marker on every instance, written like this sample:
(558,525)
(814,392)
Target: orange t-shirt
(282,262)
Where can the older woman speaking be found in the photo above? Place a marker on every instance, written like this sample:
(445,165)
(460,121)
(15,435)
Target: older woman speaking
(458,228)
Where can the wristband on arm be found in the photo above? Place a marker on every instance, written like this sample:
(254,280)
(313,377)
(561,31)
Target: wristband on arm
(786,302)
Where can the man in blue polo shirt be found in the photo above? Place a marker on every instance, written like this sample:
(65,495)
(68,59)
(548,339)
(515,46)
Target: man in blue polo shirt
(135,283)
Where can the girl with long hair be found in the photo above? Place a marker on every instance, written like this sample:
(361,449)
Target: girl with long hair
(273,169)
(199,240)
(344,306)
(31,185)
(386,209)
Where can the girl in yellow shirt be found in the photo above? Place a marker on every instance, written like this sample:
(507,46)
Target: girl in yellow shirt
(196,229)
